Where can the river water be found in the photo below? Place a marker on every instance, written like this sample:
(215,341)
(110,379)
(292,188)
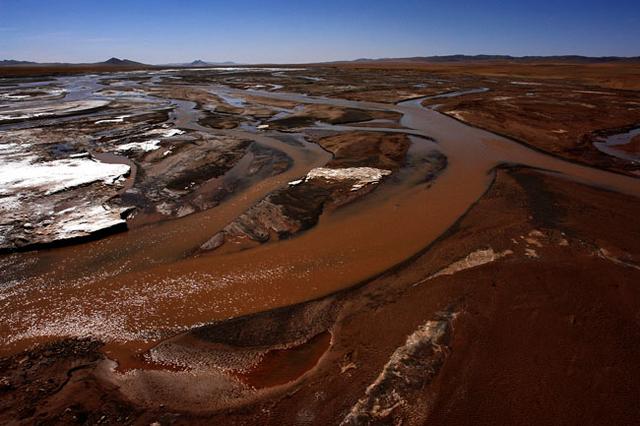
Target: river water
(136,288)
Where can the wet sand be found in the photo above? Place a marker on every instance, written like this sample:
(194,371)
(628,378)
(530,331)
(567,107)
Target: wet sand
(562,318)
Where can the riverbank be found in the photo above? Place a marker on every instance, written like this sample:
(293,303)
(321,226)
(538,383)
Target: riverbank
(527,291)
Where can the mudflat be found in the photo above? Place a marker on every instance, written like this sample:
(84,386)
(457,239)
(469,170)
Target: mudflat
(388,243)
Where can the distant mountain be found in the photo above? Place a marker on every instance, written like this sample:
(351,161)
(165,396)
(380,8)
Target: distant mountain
(111,61)
(14,62)
(488,58)
(120,62)
(200,63)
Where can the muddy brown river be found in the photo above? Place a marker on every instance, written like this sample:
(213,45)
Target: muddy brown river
(136,288)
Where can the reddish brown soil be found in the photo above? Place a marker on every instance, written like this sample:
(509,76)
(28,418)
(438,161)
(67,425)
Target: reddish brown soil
(550,339)
(611,75)
(367,149)
(281,366)
(330,114)
(547,334)
(547,340)
(54,385)
(562,118)
(48,70)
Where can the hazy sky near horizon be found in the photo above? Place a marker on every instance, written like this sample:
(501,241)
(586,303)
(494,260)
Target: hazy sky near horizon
(279,31)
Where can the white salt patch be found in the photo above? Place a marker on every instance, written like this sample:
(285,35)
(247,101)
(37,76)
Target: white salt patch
(27,186)
(605,254)
(32,93)
(57,175)
(14,97)
(12,148)
(172,132)
(361,175)
(80,155)
(52,110)
(165,133)
(56,92)
(10,203)
(90,220)
(146,146)
(118,119)
(406,364)
(17,117)
(473,259)
(457,114)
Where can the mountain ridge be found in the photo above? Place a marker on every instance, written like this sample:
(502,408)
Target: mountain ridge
(488,58)
(580,59)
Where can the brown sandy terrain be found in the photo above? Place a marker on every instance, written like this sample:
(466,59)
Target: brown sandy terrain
(562,118)
(544,334)
(525,311)
(312,113)
(366,149)
(52,70)
(610,75)
(558,284)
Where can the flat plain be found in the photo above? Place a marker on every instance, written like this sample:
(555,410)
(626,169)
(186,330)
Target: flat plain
(358,243)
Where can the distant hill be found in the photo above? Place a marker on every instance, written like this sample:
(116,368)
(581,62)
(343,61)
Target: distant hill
(117,62)
(200,63)
(120,62)
(488,58)
(111,61)
(14,62)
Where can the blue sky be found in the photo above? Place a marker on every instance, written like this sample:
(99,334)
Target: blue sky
(278,31)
